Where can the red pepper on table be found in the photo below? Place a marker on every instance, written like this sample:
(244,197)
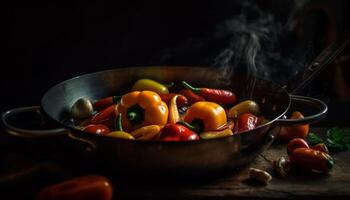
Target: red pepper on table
(310,159)
(246,121)
(88,187)
(105,102)
(177,132)
(320,147)
(191,96)
(215,95)
(180,101)
(295,144)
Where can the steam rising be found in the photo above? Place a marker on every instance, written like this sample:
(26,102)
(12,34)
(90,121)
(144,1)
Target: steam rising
(252,42)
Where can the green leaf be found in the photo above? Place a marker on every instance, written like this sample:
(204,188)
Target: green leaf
(338,139)
(313,139)
(332,146)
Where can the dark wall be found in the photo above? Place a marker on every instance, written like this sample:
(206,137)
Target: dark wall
(53,41)
(50,42)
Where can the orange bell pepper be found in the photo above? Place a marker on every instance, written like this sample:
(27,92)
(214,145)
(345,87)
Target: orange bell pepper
(211,115)
(142,109)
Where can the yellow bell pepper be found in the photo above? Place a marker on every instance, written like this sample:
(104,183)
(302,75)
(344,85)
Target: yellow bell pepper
(211,115)
(142,109)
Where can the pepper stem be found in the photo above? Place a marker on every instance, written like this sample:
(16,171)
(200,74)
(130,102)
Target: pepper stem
(196,125)
(135,114)
(116,99)
(169,85)
(193,89)
(118,123)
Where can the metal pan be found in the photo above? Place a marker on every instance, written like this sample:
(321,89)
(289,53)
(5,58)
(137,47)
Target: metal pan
(173,158)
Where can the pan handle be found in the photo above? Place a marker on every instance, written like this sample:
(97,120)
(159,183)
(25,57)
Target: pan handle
(28,122)
(308,101)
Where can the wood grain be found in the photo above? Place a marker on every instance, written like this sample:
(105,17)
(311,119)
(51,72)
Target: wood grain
(236,185)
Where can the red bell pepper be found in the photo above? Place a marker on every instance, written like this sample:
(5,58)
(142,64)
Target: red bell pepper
(88,187)
(177,132)
(247,121)
(216,95)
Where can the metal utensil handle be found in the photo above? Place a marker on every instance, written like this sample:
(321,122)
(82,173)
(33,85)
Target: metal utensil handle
(308,101)
(320,62)
(28,133)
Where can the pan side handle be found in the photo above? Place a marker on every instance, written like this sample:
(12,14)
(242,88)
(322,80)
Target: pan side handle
(307,101)
(31,117)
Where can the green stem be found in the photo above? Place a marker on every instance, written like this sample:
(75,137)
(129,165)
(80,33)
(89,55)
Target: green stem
(196,125)
(118,124)
(169,85)
(188,86)
(116,99)
(135,114)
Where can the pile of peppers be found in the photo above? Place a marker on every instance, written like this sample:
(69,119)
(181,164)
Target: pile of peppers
(152,111)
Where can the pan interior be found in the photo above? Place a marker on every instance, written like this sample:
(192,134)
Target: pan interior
(58,100)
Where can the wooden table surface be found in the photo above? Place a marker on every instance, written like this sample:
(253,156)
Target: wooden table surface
(235,185)
(238,186)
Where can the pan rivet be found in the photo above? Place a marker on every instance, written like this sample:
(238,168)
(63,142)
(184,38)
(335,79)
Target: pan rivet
(314,66)
(269,138)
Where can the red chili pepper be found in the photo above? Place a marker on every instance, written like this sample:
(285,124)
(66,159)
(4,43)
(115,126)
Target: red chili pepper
(180,101)
(309,159)
(247,121)
(215,95)
(295,144)
(98,129)
(88,187)
(320,147)
(105,102)
(191,96)
(104,115)
(177,132)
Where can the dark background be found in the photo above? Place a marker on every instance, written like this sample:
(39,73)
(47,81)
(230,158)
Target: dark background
(52,41)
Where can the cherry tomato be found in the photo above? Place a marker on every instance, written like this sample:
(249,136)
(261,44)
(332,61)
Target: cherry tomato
(297,131)
(88,187)
(98,129)
(295,144)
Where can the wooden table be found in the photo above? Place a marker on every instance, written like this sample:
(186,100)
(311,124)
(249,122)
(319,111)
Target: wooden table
(234,185)
(237,185)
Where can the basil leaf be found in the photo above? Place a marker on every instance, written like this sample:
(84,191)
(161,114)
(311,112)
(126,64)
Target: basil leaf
(313,139)
(333,146)
(341,135)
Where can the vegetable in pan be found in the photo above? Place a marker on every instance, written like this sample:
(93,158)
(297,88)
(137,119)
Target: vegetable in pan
(151,112)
